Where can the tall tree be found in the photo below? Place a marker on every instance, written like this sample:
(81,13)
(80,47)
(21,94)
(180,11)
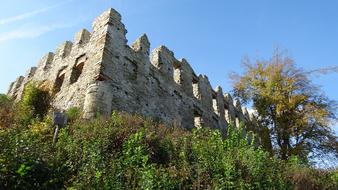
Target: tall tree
(295,112)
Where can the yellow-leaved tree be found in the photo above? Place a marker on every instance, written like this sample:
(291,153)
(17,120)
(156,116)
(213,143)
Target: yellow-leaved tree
(295,116)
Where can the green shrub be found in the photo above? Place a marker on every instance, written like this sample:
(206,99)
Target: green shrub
(304,176)
(129,152)
(34,104)
(26,158)
(4,99)
(73,114)
(6,111)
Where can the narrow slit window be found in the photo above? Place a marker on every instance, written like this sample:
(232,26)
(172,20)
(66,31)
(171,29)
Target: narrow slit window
(215,104)
(226,113)
(227,116)
(177,75)
(237,121)
(197,120)
(196,89)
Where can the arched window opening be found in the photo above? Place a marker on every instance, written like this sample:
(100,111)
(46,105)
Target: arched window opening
(58,82)
(76,72)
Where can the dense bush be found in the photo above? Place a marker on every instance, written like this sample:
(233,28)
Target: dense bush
(304,177)
(129,152)
(34,104)
(73,114)
(6,113)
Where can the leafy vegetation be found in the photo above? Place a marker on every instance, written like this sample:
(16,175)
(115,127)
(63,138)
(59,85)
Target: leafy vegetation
(6,113)
(295,116)
(34,105)
(130,152)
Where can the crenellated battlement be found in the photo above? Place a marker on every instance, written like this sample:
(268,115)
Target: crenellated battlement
(46,61)
(99,72)
(82,37)
(63,50)
(142,45)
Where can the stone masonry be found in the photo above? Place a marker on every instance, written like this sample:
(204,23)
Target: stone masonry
(98,72)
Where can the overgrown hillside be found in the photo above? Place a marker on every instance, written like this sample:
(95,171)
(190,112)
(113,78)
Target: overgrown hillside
(130,152)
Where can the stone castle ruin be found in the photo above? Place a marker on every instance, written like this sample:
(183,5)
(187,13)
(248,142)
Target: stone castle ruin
(98,72)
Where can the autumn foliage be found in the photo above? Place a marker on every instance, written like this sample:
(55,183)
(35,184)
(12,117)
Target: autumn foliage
(294,114)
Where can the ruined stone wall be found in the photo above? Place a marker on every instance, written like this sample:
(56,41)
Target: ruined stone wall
(99,72)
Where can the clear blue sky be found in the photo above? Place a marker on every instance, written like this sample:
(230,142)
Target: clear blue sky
(212,35)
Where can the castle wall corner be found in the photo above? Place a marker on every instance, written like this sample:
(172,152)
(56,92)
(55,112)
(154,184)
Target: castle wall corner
(98,100)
